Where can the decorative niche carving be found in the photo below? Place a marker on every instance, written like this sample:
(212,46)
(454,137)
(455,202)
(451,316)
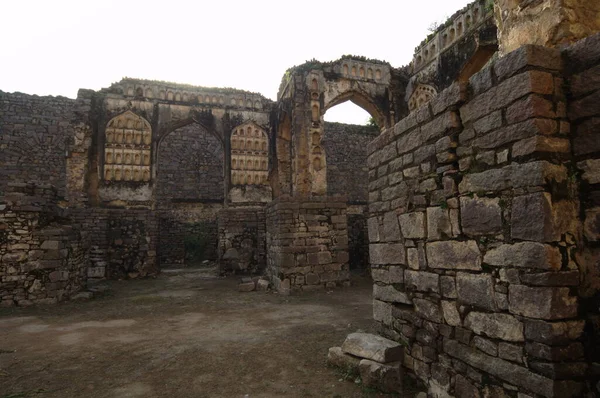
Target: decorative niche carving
(422,95)
(128,139)
(249,157)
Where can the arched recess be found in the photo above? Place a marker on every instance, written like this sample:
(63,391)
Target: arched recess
(363,101)
(421,95)
(127,149)
(190,164)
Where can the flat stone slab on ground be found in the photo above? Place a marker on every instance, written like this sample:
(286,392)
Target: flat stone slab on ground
(337,357)
(371,346)
(385,377)
(246,287)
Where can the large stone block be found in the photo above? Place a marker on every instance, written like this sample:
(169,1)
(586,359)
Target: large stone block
(541,302)
(476,290)
(439,225)
(385,377)
(391,229)
(553,332)
(422,281)
(514,175)
(495,325)
(373,347)
(386,253)
(532,218)
(591,169)
(373,228)
(337,357)
(412,225)
(428,310)
(480,216)
(525,255)
(454,255)
(591,226)
(390,294)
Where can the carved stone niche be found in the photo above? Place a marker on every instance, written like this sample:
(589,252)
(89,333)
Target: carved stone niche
(249,155)
(127,148)
(422,95)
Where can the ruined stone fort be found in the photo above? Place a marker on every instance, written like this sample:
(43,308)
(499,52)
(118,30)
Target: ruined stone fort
(473,199)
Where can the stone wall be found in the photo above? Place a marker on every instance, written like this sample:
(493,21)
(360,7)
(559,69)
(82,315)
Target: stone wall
(43,257)
(307,243)
(583,68)
(191,224)
(346,151)
(190,167)
(122,242)
(34,135)
(242,239)
(474,229)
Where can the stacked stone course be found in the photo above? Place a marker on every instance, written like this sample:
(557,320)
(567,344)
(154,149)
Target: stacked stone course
(42,256)
(244,230)
(307,243)
(475,232)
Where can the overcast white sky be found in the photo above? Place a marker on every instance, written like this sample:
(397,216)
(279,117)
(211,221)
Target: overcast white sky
(55,47)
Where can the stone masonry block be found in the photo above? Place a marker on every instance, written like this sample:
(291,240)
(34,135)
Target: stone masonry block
(412,225)
(439,225)
(532,218)
(495,326)
(480,216)
(390,294)
(541,302)
(422,281)
(386,253)
(528,56)
(525,255)
(454,255)
(391,229)
(476,290)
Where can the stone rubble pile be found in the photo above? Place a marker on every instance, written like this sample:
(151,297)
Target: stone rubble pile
(376,359)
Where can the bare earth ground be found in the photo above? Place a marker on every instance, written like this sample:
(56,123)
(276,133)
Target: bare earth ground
(186,333)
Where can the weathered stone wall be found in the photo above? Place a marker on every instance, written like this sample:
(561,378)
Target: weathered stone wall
(242,238)
(583,68)
(346,151)
(43,258)
(34,136)
(474,226)
(122,242)
(307,243)
(190,167)
(188,222)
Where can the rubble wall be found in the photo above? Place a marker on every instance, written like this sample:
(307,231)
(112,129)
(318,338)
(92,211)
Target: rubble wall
(43,257)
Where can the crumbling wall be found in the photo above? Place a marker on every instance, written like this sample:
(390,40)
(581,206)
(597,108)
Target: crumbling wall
(307,243)
(474,228)
(43,257)
(34,135)
(242,237)
(122,242)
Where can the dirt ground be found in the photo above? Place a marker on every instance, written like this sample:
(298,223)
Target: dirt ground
(186,333)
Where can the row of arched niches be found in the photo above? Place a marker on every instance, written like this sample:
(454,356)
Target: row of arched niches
(127,151)
(235,100)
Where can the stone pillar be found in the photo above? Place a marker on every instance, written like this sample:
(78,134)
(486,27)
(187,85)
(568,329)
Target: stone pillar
(549,23)
(307,243)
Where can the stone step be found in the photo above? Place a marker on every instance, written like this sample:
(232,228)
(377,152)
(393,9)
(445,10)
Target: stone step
(337,357)
(371,346)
